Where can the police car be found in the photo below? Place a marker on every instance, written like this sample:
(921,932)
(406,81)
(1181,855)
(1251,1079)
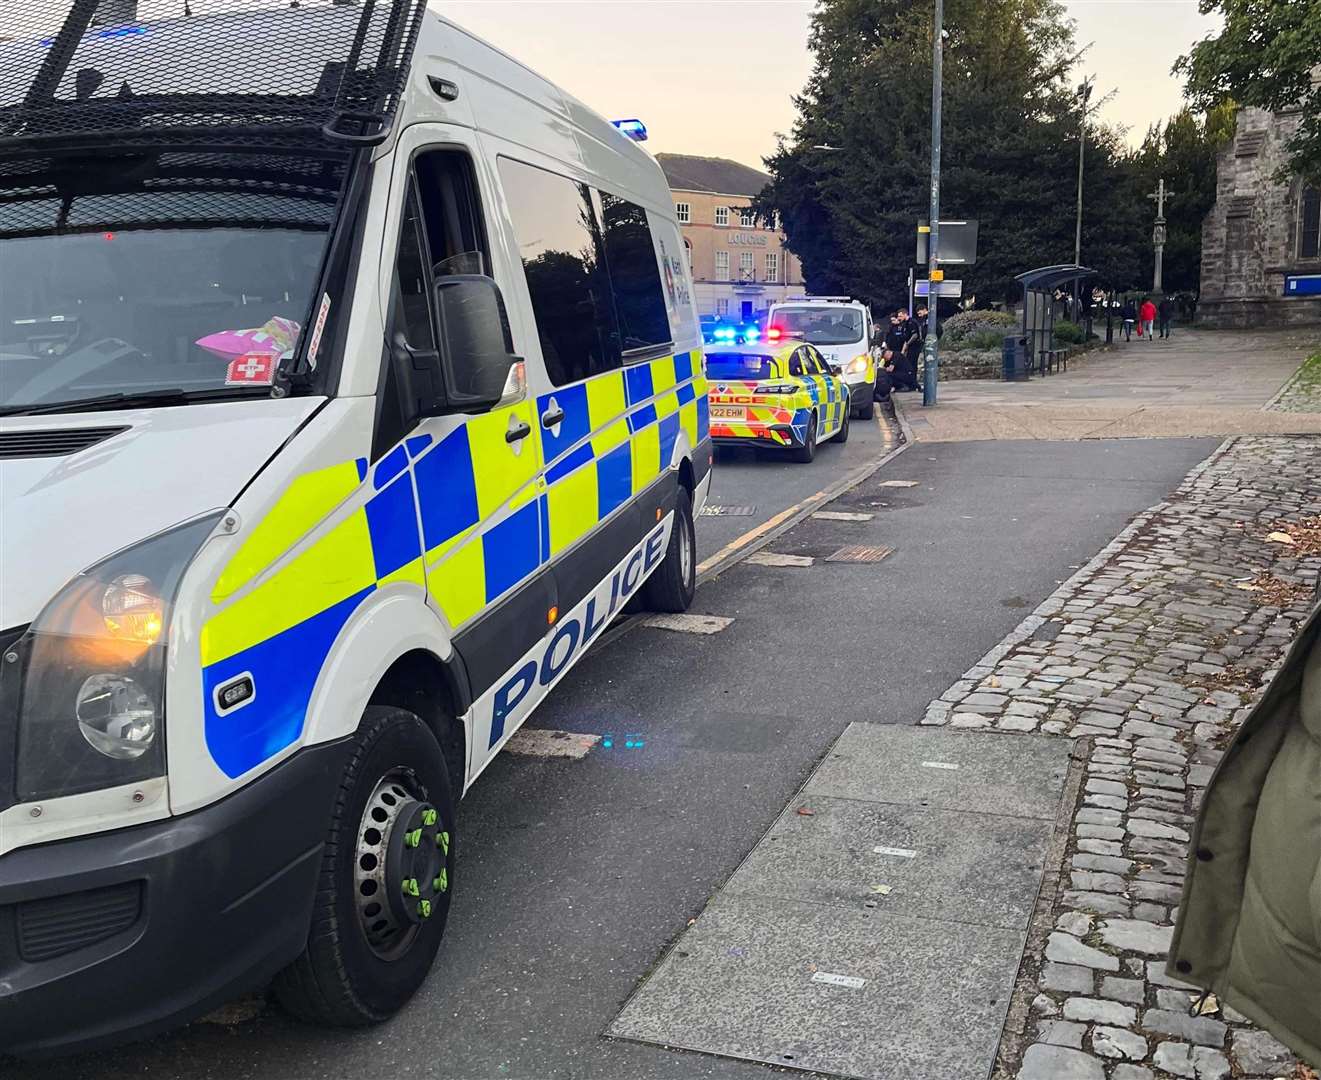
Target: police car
(841,329)
(346,399)
(777,393)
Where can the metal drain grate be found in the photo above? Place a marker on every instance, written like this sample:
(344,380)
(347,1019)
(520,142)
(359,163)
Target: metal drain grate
(727,511)
(859,553)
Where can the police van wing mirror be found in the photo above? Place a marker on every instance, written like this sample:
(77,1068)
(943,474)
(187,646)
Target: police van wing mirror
(481,369)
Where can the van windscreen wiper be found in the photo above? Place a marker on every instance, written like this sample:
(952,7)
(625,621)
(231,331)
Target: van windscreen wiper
(145,399)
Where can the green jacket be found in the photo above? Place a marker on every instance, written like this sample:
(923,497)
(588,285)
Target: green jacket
(1249,924)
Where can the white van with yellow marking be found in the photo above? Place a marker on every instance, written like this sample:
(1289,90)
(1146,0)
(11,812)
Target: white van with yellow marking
(841,328)
(345,399)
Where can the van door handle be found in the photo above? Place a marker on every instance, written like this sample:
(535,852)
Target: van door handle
(517,431)
(552,416)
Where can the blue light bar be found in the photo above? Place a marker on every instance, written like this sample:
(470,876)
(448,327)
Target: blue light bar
(751,333)
(724,333)
(634,129)
(122,31)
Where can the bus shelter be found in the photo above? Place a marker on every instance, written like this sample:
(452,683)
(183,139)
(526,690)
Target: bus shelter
(1039,288)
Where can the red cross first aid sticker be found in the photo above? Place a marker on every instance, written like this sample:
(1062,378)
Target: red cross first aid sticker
(251,369)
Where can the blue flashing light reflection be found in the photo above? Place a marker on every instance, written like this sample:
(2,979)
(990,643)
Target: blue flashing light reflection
(634,129)
(752,333)
(122,31)
(607,743)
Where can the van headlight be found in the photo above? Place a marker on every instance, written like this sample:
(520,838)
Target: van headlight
(856,366)
(89,674)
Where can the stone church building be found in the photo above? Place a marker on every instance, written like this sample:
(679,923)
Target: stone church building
(1261,241)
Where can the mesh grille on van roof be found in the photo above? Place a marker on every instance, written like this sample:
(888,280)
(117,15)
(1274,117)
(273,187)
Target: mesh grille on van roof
(202,73)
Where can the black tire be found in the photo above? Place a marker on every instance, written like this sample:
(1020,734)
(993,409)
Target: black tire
(867,409)
(807,451)
(673,583)
(842,435)
(340,979)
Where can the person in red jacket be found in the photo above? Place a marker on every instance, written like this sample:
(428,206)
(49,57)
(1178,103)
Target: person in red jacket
(1146,318)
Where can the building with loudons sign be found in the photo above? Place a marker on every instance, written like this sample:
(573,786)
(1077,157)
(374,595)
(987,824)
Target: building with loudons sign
(740,266)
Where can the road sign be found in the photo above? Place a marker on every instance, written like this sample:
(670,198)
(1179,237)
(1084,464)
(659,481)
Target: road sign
(1302,285)
(958,242)
(943,288)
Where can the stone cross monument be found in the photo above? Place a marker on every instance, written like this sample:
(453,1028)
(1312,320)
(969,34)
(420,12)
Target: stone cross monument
(1158,232)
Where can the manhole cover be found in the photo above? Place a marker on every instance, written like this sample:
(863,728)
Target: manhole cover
(859,553)
(727,511)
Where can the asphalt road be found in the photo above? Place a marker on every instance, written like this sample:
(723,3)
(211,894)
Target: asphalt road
(575,875)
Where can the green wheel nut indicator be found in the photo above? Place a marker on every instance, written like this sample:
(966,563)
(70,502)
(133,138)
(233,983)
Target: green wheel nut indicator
(424,908)
(442,881)
(410,887)
(428,817)
(443,841)
(412,839)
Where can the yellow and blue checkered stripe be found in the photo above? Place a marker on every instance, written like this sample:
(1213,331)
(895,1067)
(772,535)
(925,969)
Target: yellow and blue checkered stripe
(461,516)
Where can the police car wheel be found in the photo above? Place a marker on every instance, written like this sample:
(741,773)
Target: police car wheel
(807,451)
(387,874)
(842,435)
(673,582)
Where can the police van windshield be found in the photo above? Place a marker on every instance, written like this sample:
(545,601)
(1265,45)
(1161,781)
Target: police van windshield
(738,366)
(821,324)
(159,271)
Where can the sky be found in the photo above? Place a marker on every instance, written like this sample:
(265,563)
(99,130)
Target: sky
(716,77)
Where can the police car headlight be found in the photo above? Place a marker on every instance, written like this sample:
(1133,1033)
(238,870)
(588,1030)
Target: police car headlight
(88,677)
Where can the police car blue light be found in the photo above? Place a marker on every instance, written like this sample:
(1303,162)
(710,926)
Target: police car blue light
(634,129)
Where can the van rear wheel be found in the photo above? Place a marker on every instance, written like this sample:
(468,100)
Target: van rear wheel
(673,583)
(387,874)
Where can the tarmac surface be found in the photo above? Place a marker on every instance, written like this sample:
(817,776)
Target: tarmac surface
(575,875)
(1196,382)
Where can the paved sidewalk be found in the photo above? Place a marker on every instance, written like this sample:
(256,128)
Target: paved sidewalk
(1154,651)
(1198,382)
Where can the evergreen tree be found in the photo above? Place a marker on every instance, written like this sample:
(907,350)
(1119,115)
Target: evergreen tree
(1009,150)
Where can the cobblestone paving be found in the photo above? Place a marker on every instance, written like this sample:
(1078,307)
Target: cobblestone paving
(1303,392)
(1155,650)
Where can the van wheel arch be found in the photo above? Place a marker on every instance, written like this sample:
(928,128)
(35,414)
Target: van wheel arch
(436,691)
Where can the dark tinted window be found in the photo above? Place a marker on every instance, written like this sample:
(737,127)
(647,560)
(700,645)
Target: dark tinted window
(796,366)
(1310,240)
(412,303)
(634,274)
(559,241)
(737,366)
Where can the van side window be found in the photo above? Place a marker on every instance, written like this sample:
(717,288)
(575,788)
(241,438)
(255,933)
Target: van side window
(559,241)
(635,279)
(412,296)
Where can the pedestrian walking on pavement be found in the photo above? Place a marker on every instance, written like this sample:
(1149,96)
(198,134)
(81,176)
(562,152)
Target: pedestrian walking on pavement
(1165,312)
(1130,316)
(1147,318)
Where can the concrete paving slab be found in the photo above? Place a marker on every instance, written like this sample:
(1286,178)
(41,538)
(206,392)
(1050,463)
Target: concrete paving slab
(939,864)
(1010,774)
(740,983)
(866,937)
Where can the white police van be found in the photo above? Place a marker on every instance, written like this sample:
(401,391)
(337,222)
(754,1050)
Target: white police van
(350,384)
(841,328)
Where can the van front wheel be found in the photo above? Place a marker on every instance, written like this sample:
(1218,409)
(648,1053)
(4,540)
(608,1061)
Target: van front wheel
(387,874)
(673,583)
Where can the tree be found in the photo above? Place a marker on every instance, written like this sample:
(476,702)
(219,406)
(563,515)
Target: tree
(1265,56)
(1009,157)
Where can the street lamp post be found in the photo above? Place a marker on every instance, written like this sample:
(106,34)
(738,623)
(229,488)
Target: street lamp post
(931,349)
